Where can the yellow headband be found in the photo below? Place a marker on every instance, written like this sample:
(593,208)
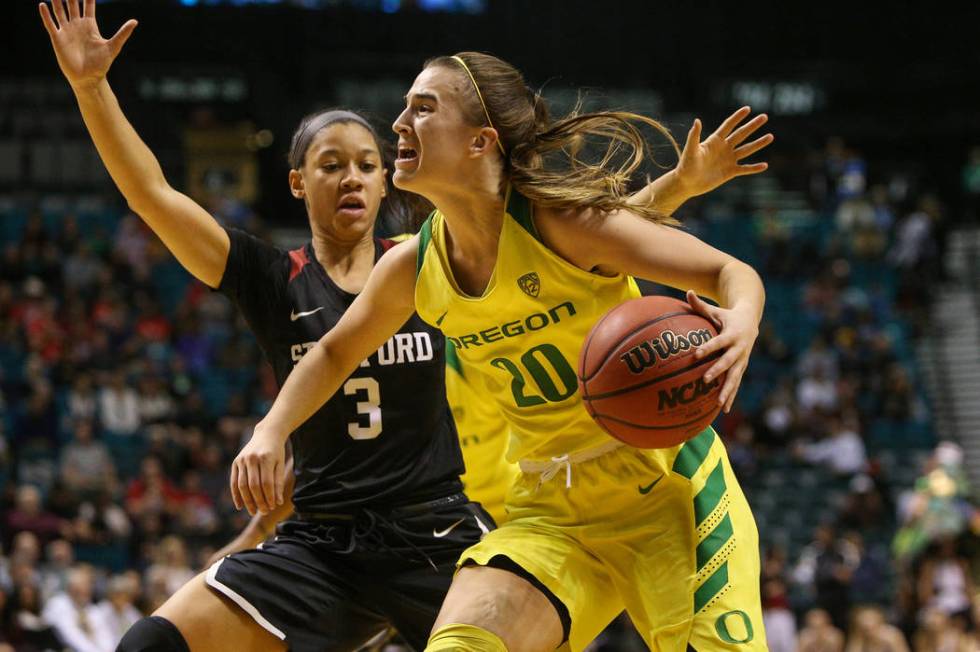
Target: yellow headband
(482,103)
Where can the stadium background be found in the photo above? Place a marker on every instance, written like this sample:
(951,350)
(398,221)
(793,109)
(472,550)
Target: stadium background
(126,388)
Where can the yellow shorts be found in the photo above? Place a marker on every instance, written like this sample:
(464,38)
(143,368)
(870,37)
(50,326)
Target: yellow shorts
(665,534)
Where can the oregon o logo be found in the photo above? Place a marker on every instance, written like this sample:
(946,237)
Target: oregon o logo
(725,634)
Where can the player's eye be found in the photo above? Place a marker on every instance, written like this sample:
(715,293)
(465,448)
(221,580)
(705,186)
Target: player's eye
(330,167)
(368,167)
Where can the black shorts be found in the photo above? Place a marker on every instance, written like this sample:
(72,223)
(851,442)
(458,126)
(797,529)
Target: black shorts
(332,582)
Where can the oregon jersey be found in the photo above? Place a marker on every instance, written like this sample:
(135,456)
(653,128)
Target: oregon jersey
(523,336)
(483,436)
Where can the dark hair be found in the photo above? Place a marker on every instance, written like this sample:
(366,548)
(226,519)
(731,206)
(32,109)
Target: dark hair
(400,211)
(542,157)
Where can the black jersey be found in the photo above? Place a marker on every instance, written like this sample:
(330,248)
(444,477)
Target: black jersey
(387,436)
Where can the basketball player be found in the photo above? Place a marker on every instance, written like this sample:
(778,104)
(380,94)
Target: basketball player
(250,272)
(380,514)
(519,260)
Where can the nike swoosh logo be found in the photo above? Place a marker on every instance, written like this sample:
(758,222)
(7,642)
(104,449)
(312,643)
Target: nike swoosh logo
(443,316)
(293,316)
(449,529)
(647,489)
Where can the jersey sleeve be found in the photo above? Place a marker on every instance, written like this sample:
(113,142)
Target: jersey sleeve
(255,274)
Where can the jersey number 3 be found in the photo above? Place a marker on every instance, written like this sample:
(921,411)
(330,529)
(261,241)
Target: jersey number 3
(370,407)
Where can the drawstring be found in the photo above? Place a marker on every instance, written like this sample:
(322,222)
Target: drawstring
(555,467)
(361,532)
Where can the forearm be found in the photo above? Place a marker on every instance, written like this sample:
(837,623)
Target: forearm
(739,286)
(310,384)
(664,194)
(131,164)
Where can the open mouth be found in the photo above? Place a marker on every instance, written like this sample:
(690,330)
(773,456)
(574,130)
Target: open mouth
(351,203)
(406,155)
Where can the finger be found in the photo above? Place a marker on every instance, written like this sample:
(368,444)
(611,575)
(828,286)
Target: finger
(47,20)
(59,12)
(732,382)
(755,168)
(236,496)
(703,308)
(693,136)
(747,129)
(247,497)
(119,39)
(723,364)
(72,9)
(281,484)
(732,120)
(255,486)
(717,343)
(270,475)
(89,9)
(753,147)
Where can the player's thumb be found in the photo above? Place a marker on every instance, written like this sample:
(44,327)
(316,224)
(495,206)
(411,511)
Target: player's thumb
(119,39)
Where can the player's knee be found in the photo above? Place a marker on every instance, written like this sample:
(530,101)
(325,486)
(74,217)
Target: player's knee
(456,637)
(153,634)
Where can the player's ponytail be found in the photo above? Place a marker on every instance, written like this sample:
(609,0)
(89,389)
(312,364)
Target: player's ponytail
(583,160)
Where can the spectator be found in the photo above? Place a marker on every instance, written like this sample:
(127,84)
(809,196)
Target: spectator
(116,613)
(825,569)
(841,450)
(28,515)
(155,404)
(817,391)
(938,633)
(870,633)
(151,492)
(777,617)
(82,399)
(54,573)
(71,612)
(119,406)
(944,582)
(170,570)
(27,629)
(86,466)
(819,634)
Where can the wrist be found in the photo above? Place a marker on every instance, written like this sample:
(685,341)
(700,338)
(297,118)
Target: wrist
(88,87)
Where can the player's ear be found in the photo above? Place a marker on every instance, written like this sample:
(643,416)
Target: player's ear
(296,185)
(484,142)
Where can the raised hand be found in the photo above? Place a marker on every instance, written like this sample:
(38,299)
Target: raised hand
(706,165)
(83,55)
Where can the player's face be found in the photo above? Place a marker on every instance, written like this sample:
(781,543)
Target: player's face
(433,137)
(342,180)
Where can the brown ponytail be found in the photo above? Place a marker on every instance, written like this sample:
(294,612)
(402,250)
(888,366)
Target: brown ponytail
(544,159)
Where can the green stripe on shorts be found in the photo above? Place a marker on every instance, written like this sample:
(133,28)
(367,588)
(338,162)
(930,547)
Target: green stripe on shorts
(707,499)
(711,587)
(693,453)
(714,541)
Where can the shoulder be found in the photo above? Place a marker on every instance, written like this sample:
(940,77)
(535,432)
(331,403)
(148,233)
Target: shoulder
(572,233)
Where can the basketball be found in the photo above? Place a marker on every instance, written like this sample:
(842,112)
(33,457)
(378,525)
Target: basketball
(639,377)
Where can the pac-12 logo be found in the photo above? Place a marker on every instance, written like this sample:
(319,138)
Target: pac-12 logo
(530,283)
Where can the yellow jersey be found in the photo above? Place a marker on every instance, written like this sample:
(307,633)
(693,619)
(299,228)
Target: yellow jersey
(483,436)
(520,340)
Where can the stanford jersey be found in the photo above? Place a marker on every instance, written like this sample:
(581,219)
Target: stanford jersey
(387,436)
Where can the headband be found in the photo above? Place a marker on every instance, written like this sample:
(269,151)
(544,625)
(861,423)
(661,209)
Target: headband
(302,140)
(482,103)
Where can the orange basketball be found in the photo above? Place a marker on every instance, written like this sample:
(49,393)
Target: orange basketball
(638,375)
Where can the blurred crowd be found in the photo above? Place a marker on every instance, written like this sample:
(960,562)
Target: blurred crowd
(126,390)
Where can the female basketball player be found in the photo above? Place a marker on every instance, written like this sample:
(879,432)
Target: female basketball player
(337,171)
(521,257)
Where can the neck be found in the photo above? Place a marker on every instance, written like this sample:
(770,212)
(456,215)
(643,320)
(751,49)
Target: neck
(346,260)
(474,216)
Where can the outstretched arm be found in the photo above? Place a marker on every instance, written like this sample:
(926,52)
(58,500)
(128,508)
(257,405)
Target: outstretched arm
(704,166)
(188,231)
(385,303)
